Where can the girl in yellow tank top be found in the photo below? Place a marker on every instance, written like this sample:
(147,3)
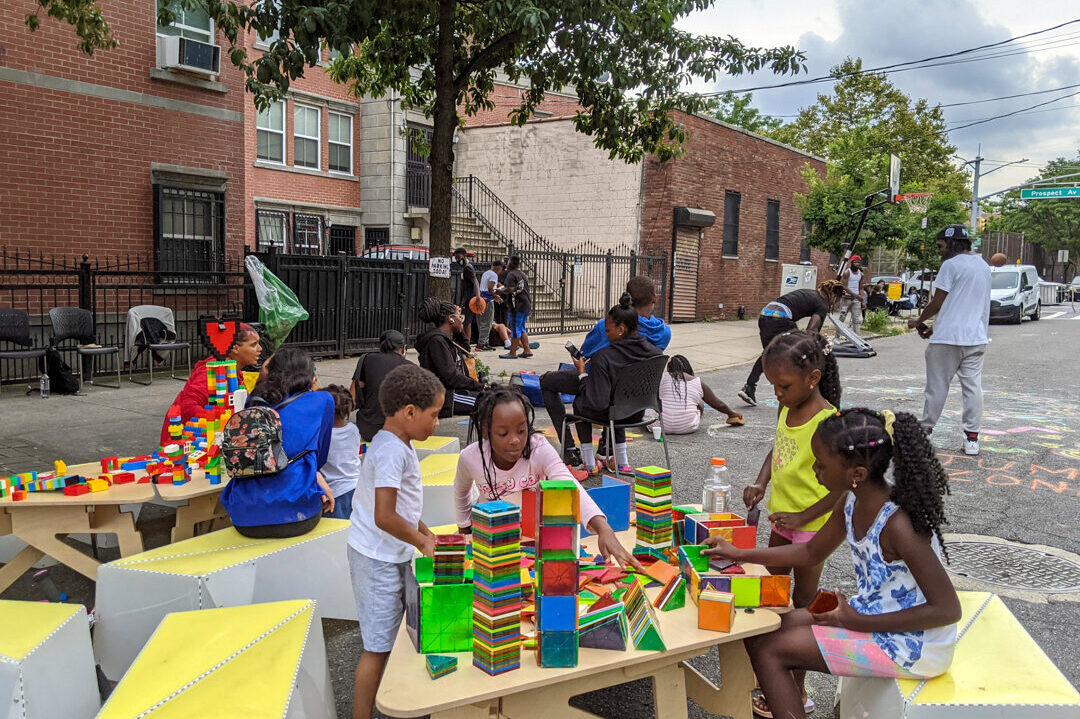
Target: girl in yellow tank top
(806,380)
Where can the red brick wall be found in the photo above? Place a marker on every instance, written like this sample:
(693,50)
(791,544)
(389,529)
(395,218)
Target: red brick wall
(75,170)
(719,159)
(507,97)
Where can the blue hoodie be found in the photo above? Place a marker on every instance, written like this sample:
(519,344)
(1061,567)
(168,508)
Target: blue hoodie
(651,328)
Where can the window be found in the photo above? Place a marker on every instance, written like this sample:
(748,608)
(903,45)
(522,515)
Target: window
(731,223)
(271,230)
(804,248)
(307,234)
(772,230)
(266,41)
(341,136)
(193,23)
(374,236)
(270,133)
(189,229)
(306,136)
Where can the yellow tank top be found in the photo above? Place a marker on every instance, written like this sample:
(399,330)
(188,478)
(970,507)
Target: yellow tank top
(794,485)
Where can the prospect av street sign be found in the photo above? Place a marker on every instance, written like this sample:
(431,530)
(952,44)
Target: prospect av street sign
(1049,194)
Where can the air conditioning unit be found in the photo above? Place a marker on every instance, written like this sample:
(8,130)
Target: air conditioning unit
(185,54)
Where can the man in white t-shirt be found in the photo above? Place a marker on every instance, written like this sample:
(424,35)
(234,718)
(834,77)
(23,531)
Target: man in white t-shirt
(958,339)
(489,282)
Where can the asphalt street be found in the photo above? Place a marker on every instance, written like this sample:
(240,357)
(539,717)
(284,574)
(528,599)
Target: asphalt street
(1024,487)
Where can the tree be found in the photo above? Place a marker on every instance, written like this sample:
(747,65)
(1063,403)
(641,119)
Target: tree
(855,128)
(625,60)
(738,110)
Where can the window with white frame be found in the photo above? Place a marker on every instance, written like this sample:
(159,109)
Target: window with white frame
(307,234)
(271,230)
(193,23)
(270,133)
(341,136)
(306,122)
(266,41)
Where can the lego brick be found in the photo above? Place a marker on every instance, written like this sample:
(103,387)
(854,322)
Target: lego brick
(556,613)
(715,610)
(123,477)
(747,591)
(74,490)
(776,590)
(557,649)
(97,485)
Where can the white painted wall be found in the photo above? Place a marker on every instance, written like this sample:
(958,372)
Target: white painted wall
(556,180)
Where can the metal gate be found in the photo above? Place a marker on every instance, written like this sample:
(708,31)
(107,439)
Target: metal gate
(685,274)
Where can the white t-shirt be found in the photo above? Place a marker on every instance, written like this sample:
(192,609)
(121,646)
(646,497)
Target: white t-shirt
(682,410)
(964,318)
(389,462)
(342,467)
(489,276)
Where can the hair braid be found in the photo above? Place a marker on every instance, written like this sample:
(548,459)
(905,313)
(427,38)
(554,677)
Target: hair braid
(482,414)
(808,351)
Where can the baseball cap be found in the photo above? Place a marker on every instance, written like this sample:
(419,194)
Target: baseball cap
(856,258)
(953,232)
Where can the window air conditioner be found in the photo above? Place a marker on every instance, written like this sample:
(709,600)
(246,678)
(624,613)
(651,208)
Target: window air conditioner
(186,54)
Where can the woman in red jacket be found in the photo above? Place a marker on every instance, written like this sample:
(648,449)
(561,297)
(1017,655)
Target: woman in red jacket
(195,394)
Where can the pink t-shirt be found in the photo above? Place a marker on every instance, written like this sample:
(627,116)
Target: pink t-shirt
(545,463)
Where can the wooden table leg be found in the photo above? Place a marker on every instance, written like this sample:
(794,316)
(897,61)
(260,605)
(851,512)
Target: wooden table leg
(483,710)
(198,509)
(732,698)
(108,519)
(19,563)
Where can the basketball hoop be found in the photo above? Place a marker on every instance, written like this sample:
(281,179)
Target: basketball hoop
(917,202)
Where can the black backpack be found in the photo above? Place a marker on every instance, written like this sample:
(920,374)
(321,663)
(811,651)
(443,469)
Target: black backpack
(61,379)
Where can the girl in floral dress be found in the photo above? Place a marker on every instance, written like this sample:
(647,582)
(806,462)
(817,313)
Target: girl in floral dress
(902,620)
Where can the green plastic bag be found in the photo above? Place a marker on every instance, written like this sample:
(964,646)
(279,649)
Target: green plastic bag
(279,308)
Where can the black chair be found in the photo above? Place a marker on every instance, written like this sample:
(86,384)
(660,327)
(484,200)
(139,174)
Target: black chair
(15,328)
(637,388)
(74,323)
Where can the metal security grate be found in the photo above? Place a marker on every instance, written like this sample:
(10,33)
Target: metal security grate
(1013,566)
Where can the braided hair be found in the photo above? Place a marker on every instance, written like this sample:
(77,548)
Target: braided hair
(831,291)
(482,415)
(919,482)
(808,351)
(435,311)
(679,368)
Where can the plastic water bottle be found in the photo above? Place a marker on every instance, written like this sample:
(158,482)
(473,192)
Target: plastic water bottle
(43,383)
(714,495)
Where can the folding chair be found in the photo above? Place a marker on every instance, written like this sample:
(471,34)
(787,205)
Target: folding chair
(15,328)
(637,388)
(138,317)
(73,323)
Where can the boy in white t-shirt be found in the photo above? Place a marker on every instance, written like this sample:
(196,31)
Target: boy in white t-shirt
(342,466)
(386,527)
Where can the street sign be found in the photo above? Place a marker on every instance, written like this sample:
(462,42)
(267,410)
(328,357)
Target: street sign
(439,266)
(1049,194)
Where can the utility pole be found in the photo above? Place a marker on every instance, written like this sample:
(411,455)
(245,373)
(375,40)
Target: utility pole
(977,162)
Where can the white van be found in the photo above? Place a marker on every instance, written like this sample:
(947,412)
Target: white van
(1014,293)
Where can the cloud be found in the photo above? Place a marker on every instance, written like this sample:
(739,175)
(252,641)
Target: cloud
(887,33)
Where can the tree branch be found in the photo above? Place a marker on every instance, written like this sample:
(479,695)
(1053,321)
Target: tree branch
(496,46)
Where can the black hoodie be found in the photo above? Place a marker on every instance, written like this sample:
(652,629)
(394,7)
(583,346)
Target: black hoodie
(438,354)
(595,396)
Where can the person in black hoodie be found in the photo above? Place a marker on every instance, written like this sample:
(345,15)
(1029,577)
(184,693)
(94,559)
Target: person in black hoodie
(593,388)
(442,351)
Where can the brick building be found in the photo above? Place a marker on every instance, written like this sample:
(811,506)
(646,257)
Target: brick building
(739,228)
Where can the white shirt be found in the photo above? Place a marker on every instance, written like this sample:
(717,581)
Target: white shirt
(489,276)
(342,467)
(964,318)
(854,283)
(682,409)
(389,462)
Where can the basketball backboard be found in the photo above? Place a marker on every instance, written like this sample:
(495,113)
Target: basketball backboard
(894,177)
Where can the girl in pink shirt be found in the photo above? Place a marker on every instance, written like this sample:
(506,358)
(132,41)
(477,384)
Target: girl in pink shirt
(510,456)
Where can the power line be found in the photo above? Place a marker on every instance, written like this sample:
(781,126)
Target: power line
(1010,114)
(1010,97)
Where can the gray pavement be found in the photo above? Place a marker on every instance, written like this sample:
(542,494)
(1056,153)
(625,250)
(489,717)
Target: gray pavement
(1025,486)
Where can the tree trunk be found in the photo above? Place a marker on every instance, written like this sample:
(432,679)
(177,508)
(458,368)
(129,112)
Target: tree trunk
(442,144)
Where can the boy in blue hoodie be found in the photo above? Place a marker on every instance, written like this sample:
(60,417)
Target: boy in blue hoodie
(643,298)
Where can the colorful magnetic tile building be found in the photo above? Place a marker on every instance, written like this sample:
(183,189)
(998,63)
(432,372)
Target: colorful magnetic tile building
(449,559)
(673,596)
(715,610)
(440,666)
(652,504)
(557,573)
(644,629)
(496,611)
(604,628)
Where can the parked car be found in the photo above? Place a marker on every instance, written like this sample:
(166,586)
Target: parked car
(888,279)
(396,252)
(1073,289)
(1014,293)
(921,281)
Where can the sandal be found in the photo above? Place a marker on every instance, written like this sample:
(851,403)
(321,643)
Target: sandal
(528,356)
(761,707)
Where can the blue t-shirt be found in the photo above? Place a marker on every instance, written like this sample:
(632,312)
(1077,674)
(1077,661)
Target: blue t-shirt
(292,495)
(651,328)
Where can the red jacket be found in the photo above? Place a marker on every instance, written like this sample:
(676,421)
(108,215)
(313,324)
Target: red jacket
(191,400)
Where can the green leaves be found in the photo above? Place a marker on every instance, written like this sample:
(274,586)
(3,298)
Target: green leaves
(84,16)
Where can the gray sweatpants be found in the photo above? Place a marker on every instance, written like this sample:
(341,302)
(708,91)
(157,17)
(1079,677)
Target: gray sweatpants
(943,362)
(483,323)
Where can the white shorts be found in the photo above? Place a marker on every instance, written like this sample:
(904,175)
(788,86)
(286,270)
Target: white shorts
(379,588)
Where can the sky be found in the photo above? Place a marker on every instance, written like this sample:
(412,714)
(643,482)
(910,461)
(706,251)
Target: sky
(883,33)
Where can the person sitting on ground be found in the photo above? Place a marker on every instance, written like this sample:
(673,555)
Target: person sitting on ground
(593,389)
(342,467)
(683,398)
(782,315)
(442,351)
(195,394)
(509,456)
(643,297)
(289,503)
(371,370)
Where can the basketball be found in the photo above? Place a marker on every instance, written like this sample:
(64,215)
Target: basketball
(477,305)
(999,260)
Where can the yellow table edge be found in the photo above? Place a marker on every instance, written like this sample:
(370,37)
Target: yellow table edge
(28,625)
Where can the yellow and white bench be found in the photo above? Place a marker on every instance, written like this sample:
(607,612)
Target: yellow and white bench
(436,445)
(997,672)
(217,569)
(46,663)
(437,471)
(262,660)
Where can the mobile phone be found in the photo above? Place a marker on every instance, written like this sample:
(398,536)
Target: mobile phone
(825,601)
(573,350)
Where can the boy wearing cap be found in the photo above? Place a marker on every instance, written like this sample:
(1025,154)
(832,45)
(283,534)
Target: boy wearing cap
(958,339)
(853,300)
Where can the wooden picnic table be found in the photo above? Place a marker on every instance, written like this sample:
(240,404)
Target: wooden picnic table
(533,692)
(203,503)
